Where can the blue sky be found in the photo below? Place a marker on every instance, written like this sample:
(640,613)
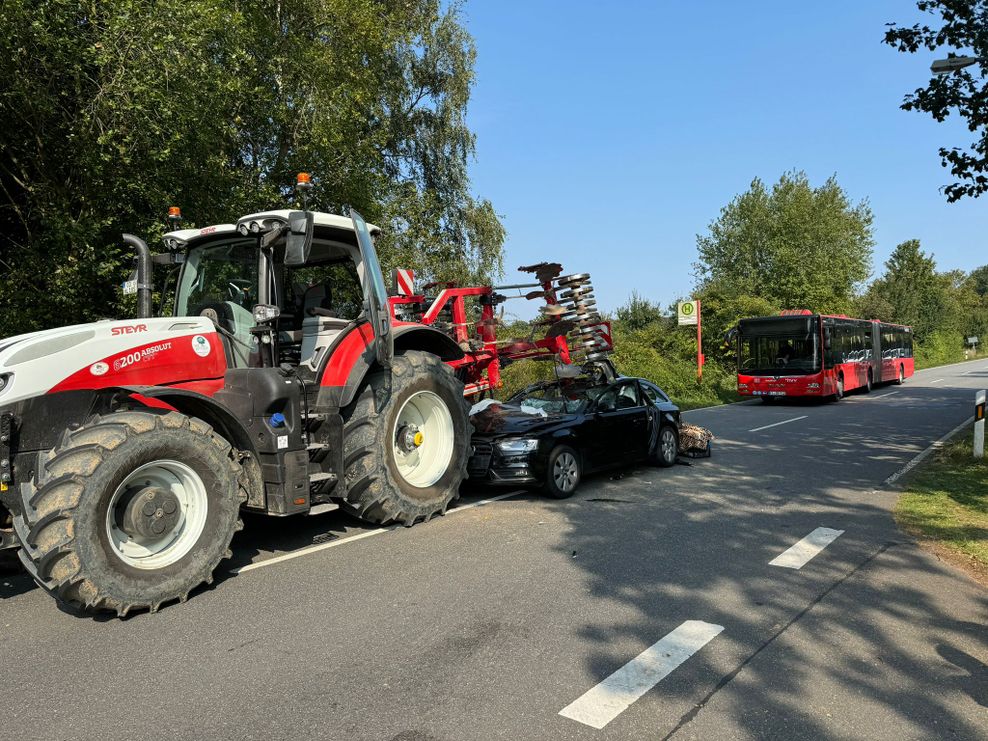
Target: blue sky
(610,134)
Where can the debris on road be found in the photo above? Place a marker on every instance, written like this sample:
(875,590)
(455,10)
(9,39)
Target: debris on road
(694,441)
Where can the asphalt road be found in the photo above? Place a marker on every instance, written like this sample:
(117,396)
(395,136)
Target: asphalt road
(489,622)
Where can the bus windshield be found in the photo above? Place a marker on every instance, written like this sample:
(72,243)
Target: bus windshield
(780,355)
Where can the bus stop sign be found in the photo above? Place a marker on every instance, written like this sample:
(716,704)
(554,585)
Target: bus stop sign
(688,312)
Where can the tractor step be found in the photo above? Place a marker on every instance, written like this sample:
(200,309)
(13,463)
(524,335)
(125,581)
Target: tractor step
(317,447)
(319,509)
(321,478)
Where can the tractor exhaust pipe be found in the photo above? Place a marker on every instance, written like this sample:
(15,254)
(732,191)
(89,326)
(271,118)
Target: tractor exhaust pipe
(143,274)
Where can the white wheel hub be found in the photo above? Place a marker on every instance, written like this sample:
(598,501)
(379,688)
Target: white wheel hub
(157,514)
(422,439)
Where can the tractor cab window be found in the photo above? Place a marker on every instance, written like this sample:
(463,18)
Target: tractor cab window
(217,275)
(332,287)
(219,281)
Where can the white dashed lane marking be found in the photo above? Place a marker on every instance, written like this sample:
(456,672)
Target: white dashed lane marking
(936,380)
(603,703)
(776,424)
(800,554)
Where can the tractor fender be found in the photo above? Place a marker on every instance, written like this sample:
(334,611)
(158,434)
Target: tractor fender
(40,421)
(193,404)
(427,339)
(352,358)
(221,419)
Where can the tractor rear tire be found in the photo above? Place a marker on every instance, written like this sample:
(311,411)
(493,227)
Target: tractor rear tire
(392,474)
(171,474)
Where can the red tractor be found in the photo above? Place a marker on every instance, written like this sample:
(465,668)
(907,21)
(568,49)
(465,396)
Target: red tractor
(285,381)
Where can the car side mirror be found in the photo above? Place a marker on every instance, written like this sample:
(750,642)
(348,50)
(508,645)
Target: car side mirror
(301,227)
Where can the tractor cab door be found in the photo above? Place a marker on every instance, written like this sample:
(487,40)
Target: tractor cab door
(375,292)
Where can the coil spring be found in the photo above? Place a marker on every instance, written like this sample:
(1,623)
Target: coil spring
(575,294)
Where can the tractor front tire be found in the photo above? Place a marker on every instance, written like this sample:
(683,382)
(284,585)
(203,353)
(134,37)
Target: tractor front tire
(130,511)
(406,442)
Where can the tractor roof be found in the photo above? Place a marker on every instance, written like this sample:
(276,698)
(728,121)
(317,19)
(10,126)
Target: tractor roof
(321,219)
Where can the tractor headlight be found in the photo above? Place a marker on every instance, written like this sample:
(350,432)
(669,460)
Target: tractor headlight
(519,445)
(5,381)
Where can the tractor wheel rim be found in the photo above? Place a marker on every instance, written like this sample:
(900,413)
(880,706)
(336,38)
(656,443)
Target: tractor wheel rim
(668,446)
(181,485)
(565,472)
(426,463)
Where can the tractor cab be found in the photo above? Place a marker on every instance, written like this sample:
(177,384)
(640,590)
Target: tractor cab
(281,286)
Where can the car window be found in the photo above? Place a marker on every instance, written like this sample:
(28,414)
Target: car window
(620,396)
(654,393)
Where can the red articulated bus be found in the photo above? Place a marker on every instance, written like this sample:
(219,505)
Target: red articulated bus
(799,353)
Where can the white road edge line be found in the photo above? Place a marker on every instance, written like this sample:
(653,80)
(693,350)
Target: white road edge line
(799,554)
(923,454)
(359,536)
(603,703)
(776,424)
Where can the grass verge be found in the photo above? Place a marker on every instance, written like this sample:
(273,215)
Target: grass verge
(945,505)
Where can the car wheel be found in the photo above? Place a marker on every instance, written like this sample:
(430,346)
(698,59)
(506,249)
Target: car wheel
(564,472)
(668,447)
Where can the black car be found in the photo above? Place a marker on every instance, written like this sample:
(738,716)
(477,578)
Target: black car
(553,433)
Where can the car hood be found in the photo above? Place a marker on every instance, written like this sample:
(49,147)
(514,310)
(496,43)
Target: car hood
(508,419)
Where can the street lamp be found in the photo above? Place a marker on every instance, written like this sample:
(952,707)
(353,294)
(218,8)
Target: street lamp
(952,64)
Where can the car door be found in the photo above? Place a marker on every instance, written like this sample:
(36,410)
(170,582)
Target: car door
(621,424)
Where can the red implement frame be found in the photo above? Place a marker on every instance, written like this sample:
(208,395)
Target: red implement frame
(481,365)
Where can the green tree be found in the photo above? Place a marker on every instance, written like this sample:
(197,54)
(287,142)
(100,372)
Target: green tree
(912,292)
(639,312)
(115,110)
(977,280)
(963,26)
(794,246)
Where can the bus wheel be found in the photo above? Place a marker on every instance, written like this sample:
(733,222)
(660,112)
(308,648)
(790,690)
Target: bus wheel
(902,377)
(867,388)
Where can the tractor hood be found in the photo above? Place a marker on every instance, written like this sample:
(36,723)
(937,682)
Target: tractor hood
(133,352)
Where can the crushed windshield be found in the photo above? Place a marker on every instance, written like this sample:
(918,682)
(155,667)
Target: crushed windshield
(563,398)
(780,354)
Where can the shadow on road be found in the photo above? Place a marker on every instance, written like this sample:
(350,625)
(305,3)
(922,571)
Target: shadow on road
(871,636)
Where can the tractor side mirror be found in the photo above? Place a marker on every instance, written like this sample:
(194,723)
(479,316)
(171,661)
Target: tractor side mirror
(301,226)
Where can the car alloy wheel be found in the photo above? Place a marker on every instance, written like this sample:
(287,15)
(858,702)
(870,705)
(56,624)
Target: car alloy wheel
(566,472)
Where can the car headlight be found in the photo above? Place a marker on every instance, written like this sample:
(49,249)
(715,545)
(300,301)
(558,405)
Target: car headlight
(519,445)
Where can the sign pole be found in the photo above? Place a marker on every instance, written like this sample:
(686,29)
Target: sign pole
(979,424)
(699,344)
(688,312)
